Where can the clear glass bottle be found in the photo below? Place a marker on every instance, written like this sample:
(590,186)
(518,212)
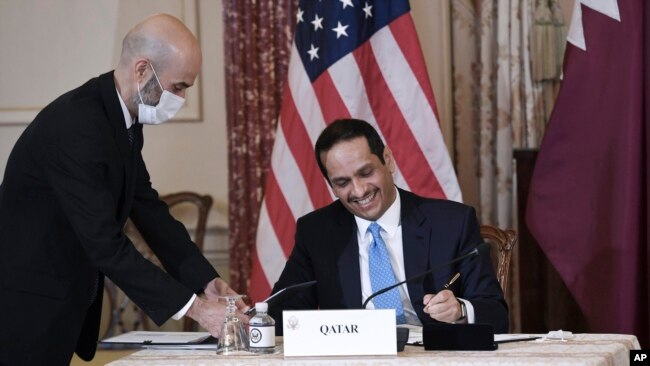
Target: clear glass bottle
(261,330)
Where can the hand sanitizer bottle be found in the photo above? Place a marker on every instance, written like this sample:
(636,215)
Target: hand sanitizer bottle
(262,330)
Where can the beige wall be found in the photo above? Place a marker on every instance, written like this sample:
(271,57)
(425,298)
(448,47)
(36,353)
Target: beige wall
(43,57)
(50,57)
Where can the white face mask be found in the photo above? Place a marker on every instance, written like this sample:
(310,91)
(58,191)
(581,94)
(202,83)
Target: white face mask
(167,107)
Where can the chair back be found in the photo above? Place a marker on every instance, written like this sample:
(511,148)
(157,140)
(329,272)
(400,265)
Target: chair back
(119,313)
(502,241)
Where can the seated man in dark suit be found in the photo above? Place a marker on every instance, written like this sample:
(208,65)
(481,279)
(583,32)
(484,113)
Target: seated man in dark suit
(376,234)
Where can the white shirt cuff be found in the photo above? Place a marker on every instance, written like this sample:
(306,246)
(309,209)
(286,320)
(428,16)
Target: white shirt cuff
(185,308)
(470,311)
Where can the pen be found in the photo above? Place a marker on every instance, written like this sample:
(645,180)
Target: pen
(451,281)
(446,286)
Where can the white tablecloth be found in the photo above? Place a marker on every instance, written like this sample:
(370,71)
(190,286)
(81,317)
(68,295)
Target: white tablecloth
(582,349)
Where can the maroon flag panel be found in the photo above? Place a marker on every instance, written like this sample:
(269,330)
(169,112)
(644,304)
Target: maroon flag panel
(588,202)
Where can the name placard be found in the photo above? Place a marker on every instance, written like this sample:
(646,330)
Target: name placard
(339,333)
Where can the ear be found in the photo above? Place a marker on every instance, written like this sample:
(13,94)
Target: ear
(388,159)
(140,69)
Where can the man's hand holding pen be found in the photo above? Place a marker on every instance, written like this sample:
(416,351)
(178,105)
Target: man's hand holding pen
(444,306)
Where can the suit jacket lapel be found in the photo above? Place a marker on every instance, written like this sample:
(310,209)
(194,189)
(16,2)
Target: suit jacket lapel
(118,126)
(415,242)
(349,273)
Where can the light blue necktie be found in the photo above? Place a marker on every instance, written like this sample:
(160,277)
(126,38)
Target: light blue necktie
(382,275)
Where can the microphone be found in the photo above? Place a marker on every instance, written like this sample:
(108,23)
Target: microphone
(479,250)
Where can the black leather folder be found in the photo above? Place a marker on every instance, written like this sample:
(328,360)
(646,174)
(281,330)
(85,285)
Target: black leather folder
(458,337)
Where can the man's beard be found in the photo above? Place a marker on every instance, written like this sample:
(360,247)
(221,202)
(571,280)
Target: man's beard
(150,93)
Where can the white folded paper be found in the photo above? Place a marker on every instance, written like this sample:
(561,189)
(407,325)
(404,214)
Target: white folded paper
(153,338)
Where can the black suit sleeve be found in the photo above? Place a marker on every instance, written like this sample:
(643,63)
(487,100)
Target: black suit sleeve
(167,237)
(478,280)
(75,163)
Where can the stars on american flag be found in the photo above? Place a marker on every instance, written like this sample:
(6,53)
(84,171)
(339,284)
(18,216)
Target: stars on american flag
(313,52)
(340,30)
(344,23)
(329,30)
(347,3)
(317,22)
(299,18)
(368,10)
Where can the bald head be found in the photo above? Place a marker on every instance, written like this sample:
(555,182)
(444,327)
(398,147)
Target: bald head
(159,38)
(162,43)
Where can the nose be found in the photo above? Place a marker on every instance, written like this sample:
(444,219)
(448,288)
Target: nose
(358,188)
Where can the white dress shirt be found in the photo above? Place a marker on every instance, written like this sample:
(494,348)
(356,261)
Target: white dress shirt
(391,232)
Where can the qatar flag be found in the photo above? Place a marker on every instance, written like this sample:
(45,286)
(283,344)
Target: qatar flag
(588,202)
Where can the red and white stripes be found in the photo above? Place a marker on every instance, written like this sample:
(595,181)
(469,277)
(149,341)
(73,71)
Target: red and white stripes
(384,81)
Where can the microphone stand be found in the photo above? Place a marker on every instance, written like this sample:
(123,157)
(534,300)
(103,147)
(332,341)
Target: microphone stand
(475,252)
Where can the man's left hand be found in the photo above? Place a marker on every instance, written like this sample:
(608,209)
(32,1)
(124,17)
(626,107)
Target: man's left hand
(219,287)
(443,306)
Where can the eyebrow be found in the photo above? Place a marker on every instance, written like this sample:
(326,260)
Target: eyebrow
(340,180)
(183,84)
(368,165)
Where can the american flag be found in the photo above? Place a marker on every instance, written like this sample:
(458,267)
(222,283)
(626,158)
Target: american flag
(350,58)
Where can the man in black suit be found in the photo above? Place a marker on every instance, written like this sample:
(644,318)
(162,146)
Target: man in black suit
(335,244)
(73,178)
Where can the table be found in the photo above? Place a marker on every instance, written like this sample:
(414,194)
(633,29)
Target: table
(582,349)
